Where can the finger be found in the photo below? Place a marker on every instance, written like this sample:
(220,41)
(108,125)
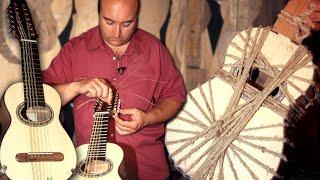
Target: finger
(122,123)
(128,111)
(121,132)
(110,95)
(119,125)
(91,93)
(108,98)
(96,86)
(106,90)
(124,129)
(104,87)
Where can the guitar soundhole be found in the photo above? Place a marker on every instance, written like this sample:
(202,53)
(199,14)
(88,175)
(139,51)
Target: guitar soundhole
(94,168)
(259,80)
(35,115)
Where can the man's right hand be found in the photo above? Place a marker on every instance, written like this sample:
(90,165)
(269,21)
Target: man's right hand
(90,87)
(95,88)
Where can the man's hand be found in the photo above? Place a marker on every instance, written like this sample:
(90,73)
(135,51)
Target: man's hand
(95,88)
(314,17)
(138,121)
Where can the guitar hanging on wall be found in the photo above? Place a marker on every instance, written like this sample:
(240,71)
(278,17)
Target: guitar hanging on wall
(35,145)
(100,159)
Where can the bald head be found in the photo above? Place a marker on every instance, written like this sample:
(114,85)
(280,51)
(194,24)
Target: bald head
(118,21)
(136,3)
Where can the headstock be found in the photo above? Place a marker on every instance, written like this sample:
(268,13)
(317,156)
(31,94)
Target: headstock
(116,105)
(20,19)
(102,107)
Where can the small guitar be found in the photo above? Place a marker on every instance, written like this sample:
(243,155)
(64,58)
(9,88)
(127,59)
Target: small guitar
(100,159)
(35,145)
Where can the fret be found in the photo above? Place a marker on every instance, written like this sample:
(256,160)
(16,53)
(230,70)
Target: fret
(37,80)
(34,90)
(34,96)
(97,153)
(94,139)
(101,132)
(31,68)
(94,155)
(33,85)
(37,73)
(98,149)
(101,113)
(98,138)
(31,60)
(99,127)
(28,40)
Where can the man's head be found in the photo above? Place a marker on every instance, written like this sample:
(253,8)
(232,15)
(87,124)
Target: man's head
(118,20)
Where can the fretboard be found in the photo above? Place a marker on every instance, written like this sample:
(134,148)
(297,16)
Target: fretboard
(31,74)
(99,135)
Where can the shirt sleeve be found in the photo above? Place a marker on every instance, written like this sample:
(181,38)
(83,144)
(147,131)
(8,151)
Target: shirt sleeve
(60,69)
(172,84)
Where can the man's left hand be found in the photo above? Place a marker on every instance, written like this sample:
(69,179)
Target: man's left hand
(129,127)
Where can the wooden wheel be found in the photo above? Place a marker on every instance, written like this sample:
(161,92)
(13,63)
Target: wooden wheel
(232,126)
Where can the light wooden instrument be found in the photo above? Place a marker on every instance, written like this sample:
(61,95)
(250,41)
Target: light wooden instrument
(100,159)
(232,126)
(35,145)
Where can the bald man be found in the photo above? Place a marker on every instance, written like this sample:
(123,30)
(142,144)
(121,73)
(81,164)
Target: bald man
(116,56)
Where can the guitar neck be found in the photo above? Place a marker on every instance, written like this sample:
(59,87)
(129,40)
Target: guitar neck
(291,20)
(99,135)
(31,73)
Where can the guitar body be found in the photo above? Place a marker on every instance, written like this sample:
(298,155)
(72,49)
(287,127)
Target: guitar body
(103,169)
(44,139)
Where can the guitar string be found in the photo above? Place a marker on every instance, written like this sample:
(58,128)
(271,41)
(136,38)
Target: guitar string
(34,104)
(88,160)
(97,139)
(34,94)
(103,127)
(94,151)
(100,139)
(25,65)
(97,144)
(103,136)
(94,139)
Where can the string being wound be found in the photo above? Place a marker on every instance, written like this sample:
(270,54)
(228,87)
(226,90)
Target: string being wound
(301,29)
(124,88)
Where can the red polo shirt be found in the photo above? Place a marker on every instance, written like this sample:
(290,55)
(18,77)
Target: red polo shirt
(150,76)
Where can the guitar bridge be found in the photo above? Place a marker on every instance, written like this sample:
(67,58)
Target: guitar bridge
(39,157)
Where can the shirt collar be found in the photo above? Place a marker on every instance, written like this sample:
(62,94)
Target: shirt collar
(95,41)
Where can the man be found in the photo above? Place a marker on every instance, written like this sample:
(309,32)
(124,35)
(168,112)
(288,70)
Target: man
(118,55)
